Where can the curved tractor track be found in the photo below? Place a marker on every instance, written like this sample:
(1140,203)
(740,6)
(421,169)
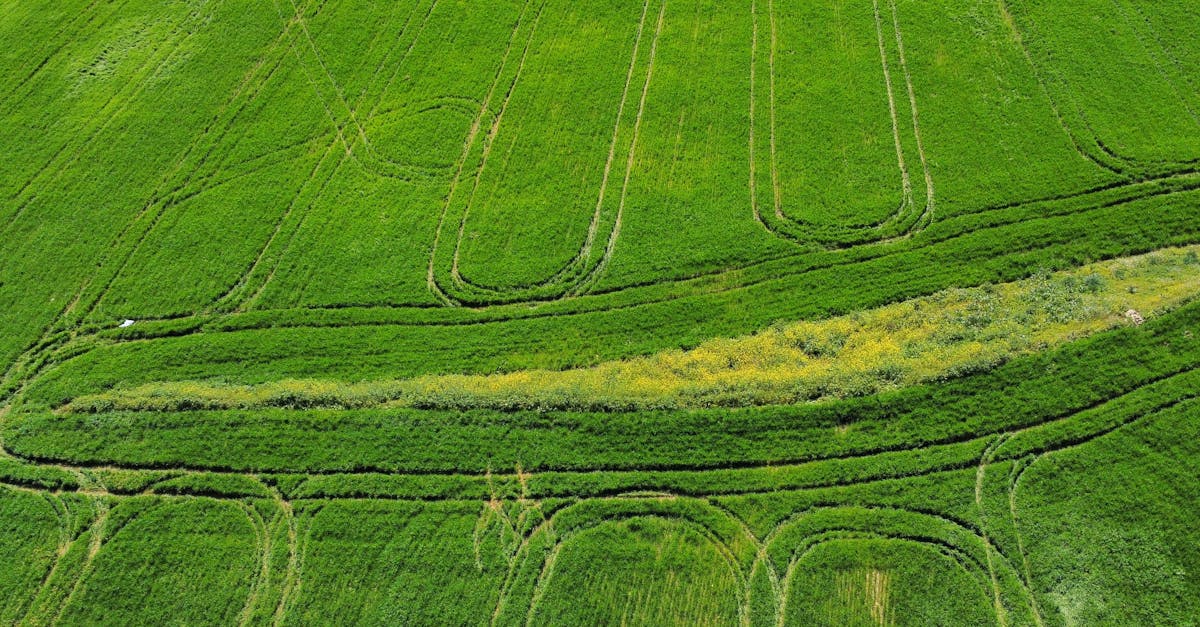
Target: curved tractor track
(778,551)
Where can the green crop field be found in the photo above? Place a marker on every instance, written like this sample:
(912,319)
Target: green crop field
(663,312)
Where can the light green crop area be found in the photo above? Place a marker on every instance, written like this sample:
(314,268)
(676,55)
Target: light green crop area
(656,312)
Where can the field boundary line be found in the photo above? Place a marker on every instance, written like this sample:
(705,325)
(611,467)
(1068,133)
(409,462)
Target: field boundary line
(292,572)
(299,534)
(984,461)
(1097,190)
(67,353)
(370,159)
(717,274)
(1128,167)
(1058,443)
(1061,444)
(1145,387)
(960,558)
(976,534)
(63,317)
(930,194)
(95,543)
(589,281)
(542,579)
(1018,37)
(823,534)
(232,299)
(558,537)
(260,580)
(383,61)
(224,158)
(490,137)
(762,559)
(161,200)
(39,596)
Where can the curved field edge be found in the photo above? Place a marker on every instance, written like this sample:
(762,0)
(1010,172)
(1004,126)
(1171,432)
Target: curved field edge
(921,340)
(192,556)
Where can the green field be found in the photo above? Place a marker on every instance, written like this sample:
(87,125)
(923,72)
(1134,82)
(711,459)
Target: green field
(545,312)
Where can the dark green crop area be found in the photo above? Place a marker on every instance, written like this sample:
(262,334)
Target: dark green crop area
(240,192)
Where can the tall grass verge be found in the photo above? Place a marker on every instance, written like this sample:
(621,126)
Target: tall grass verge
(949,334)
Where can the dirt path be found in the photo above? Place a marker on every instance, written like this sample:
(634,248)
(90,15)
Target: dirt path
(585,251)
(95,543)
(291,583)
(263,542)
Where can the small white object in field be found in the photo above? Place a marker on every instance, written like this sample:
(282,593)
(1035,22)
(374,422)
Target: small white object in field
(1136,317)
(127,323)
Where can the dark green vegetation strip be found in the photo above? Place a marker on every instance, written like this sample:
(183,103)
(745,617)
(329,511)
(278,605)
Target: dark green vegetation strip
(1025,392)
